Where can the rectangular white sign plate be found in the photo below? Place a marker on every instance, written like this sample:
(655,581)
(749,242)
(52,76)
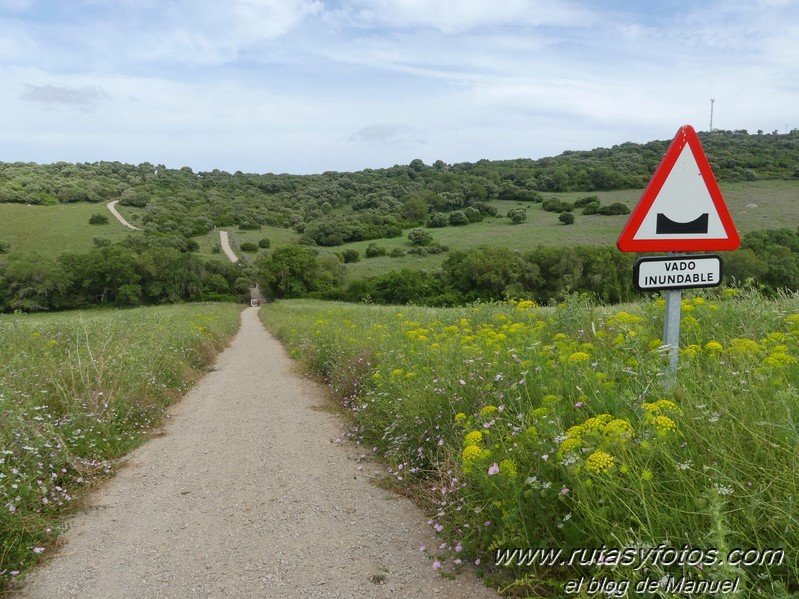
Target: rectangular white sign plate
(677,272)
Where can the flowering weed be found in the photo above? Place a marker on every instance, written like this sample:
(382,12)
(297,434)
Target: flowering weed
(521,426)
(78,390)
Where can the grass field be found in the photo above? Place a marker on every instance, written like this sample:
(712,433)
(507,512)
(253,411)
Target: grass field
(78,390)
(52,230)
(521,427)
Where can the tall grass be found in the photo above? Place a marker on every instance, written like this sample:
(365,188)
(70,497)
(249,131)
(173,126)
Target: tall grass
(522,427)
(78,390)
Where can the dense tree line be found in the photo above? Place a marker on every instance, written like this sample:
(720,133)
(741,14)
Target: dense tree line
(140,270)
(767,259)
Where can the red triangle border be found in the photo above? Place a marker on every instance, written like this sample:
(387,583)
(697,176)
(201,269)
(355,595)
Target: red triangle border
(626,242)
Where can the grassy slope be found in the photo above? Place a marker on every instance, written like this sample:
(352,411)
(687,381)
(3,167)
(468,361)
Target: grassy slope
(52,230)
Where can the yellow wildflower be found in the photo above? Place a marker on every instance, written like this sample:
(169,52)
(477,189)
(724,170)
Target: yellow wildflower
(619,429)
(599,462)
(471,452)
(570,445)
(539,413)
(579,356)
(575,431)
(664,424)
(712,346)
(473,438)
(508,468)
(548,400)
(488,411)
(668,406)
(459,416)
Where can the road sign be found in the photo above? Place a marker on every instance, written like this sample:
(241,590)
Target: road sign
(677,272)
(682,209)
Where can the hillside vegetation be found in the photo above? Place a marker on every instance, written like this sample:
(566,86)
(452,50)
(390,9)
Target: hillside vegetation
(365,226)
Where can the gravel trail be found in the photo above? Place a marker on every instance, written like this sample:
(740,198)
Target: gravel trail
(112,207)
(247,495)
(224,241)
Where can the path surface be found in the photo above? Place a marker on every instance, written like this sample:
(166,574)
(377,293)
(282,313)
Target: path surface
(225,242)
(248,496)
(112,207)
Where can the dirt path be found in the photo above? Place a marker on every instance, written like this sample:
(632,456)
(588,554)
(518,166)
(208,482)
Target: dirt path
(224,240)
(247,495)
(112,207)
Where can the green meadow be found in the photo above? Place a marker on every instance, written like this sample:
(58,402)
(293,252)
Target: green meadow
(53,230)
(524,427)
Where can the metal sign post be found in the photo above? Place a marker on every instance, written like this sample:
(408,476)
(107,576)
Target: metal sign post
(671,334)
(681,210)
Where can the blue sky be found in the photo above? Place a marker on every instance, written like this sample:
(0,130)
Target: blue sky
(306,86)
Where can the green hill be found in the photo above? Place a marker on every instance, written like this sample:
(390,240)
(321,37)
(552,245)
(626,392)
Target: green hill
(513,204)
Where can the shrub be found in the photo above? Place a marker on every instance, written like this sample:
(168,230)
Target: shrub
(350,255)
(458,218)
(567,218)
(473,214)
(555,205)
(373,250)
(265,243)
(4,246)
(249,247)
(613,209)
(583,202)
(397,253)
(98,219)
(438,220)
(420,237)
(517,215)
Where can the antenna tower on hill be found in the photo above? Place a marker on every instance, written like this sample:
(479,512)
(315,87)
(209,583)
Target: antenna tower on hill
(711,113)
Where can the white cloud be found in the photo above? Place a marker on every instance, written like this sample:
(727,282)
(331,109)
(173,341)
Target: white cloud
(458,16)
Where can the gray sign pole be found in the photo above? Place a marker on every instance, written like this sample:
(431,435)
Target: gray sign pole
(671,334)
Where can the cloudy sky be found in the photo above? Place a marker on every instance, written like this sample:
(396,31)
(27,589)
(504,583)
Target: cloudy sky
(306,86)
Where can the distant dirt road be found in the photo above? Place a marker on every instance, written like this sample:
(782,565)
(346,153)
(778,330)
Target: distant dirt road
(246,495)
(112,207)
(225,243)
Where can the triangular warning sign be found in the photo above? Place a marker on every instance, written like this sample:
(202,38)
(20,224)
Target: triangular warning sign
(681,210)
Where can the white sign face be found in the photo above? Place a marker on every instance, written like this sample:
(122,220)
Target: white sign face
(683,209)
(683,272)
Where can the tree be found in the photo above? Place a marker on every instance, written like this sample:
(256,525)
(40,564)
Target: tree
(289,271)
(483,272)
